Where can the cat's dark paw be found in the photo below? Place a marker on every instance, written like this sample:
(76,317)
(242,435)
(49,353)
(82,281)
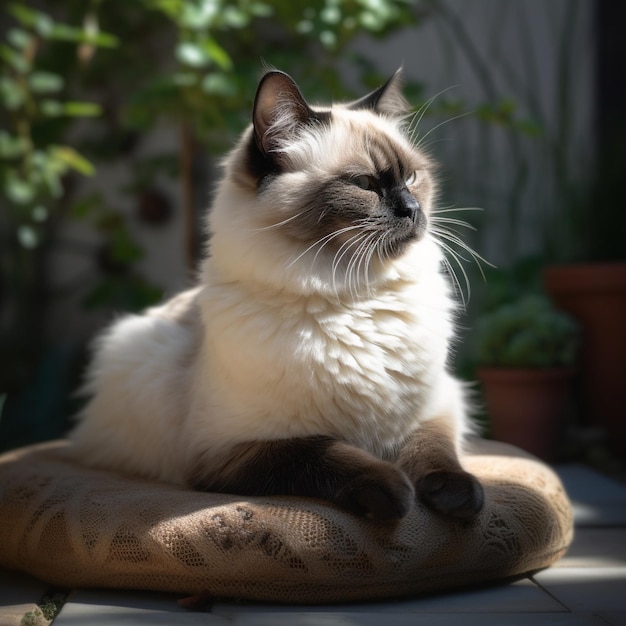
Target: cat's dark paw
(383,494)
(453,493)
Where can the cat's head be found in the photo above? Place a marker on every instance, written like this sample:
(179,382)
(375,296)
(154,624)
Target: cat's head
(341,191)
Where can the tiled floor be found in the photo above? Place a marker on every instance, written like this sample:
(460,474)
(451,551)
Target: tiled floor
(586,588)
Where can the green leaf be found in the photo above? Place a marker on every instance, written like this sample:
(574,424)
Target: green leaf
(328,38)
(45,82)
(260,9)
(16,60)
(198,15)
(64,32)
(73,159)
(39,213)
(19,38)
(54,108)
(51,180)
(86,205)
(51,108)
(82,109)
(11,93)
(103,40)
(185,79)
(304,27)
(17,190)
(370,21)
(217,54)
(219,84)
(37,20)
(11,147)
(529,127)
(192,54)
(331,15)
(234,17)
(28,237)
(124,249)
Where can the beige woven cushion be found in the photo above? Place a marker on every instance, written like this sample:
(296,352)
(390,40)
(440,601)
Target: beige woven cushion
(74,527)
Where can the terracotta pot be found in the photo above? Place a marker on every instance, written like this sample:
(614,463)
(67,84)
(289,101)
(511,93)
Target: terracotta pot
(595,294)
(527,407)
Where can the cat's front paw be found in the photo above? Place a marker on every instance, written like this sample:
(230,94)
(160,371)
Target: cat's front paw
(383,493)
(451,492)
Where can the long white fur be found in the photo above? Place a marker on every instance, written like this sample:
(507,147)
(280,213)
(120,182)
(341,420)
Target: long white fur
(273,343)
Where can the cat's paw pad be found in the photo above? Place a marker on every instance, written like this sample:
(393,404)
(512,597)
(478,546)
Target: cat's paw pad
(453,493)
(382,495)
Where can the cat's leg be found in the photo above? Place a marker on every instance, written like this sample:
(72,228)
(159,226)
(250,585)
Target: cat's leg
(430,459)
(319,467)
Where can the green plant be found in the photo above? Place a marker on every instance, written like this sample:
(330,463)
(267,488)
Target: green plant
(528,333)
(35,160)
(34,157)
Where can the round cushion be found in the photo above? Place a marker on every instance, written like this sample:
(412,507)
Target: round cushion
(77,527)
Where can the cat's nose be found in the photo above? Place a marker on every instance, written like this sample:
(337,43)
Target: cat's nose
(406,205)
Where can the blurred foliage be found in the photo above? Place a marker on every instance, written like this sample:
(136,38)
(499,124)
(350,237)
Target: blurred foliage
(528,332)
(34,159)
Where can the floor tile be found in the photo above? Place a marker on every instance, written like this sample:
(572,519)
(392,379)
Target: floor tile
(596,547)
(19,594)
(128,608)
(520,596)
(613,619)
(586,589)
(421,619)
(18,588)
(597,499)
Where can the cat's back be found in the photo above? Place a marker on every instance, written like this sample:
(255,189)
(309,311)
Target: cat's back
(138,384)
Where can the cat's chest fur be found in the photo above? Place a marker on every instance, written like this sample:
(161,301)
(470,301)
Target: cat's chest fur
(286,365)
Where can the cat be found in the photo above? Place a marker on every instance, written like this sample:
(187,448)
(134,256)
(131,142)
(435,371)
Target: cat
(311,359)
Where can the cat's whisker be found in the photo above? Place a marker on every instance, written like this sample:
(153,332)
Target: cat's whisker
(340,254)
(443,235)
(452,237)
(374,240)
(335,262)
(458,290)
(278,224)
(386,248)
(350,268)
(359,264)
(420,142)
(436,219)
(419,114)
(452,209)
(323,240)
(454,255)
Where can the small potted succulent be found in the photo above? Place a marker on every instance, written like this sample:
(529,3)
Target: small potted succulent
(526,353)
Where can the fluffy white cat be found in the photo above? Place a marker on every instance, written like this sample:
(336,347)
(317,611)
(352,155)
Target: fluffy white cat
(311,358)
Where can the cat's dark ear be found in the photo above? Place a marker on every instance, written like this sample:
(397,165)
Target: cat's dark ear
(279,108)
(388,99)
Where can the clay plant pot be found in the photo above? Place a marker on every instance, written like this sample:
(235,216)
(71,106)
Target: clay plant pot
(527,407)
(595,294)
